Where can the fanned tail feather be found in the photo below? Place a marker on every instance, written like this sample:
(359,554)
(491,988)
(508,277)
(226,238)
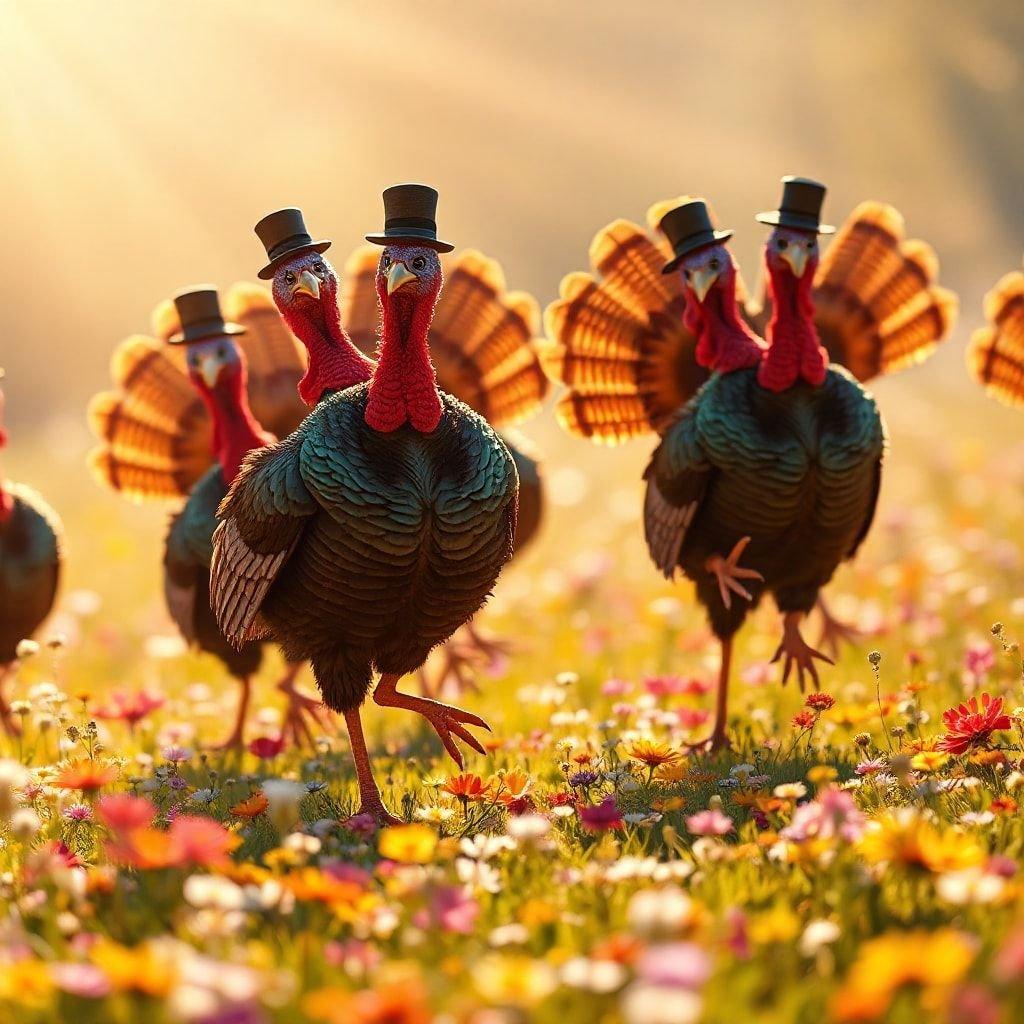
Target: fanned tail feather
(276,359)
(877,306)
(616,340)
(154,431)
(995,356)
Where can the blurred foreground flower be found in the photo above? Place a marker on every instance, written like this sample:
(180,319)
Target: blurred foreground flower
(408,844)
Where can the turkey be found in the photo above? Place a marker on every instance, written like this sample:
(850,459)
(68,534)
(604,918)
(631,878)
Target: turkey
(765,479)
(995,356)
(178,426)
(30,565)
(481,342)
(380,527)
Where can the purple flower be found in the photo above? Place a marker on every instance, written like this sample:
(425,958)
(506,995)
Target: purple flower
(78,812)
(583,779)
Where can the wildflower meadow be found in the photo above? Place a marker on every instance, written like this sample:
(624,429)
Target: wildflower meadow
(854,857)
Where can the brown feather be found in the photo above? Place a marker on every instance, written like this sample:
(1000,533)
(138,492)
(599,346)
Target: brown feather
(877,306)
(616,338)
(995,356)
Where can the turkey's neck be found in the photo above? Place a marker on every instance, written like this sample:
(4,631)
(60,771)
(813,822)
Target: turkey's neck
(724,342)
(404,385)
(235,430)
(334,362)
(794,350)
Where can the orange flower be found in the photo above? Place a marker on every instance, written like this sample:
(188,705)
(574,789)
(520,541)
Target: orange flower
(402,1002)
(190,841)
(652,754)
(86,775)
(511,786)
(253,807)
(467,787)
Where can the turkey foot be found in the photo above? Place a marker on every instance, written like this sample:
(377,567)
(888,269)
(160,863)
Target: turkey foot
(495,651)
(8,722)
(729,573)
(236,738)
(835,632)
(303,714)
(444,719)
(458,669)
(798,653)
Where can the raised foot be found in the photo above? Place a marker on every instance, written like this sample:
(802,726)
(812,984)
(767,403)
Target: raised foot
(491,649)
(302,715)
(459,666)
(835,632)
(729,572)
(445,720)
(798,653)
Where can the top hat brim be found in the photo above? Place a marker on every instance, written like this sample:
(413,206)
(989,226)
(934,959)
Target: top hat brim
(201,332)
(785,219)
(413,235)
(269,270)
(691,245)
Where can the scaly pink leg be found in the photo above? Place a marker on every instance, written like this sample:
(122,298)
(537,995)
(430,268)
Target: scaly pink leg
(443,718)
(236,738)
(370,801)
(729,573)
(798,652)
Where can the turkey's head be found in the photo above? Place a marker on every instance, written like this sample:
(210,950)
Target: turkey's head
(216,366)
(707,271)
(408,277)
(789,250)
(305,291)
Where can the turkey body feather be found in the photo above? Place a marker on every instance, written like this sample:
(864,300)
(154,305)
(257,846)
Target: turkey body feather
(795,471)
(30,561)
(403,535)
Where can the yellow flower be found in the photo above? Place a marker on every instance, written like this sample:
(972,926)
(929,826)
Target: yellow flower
(408,844)
(928,760)
(907,839)
(779,924)
(26,982)
(822,775)
(515,980)
(935,961)
(652,754)
(148,968)
(536,912)
(674,771)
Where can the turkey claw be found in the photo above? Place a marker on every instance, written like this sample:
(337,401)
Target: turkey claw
(303,714)
(799,654)
(835,632)
(728,572)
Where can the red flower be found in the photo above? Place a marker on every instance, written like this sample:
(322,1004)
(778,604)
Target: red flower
(599,817)
(803,720)
(820,701)
(267,746)
(122,812)
(130,707)
(970,724)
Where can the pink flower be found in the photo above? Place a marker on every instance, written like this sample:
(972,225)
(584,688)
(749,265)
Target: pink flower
(130,707)
(665,686)
(267,747)
(692,718)
(78,812)
(972,723)
(454,909)
(711,822)
(605,815)
(871,767)
(122,812)
(675,965)
(833,815)
(615,687)
(83,980)
(979,660)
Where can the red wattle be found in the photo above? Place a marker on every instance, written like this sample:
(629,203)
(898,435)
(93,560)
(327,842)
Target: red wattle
(794,349)
(724,342)
(236,431)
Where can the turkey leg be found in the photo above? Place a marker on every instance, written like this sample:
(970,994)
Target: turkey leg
(443,718)
(236,738)
(370,801)
(718,740)
(835,632)
(798,652)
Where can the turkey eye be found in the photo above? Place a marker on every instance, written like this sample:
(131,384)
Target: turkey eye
(687,273)
(221,352)
(714,264)
(812,243)
(782,243)
(318,269)
(289,277)
(385,261)
(419,263)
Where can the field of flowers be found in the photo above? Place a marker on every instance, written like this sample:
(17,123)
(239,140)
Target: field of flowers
(855,857)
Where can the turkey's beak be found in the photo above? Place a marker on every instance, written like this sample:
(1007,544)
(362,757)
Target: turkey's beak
(701,282)
(209,369)
(307,284)
(796,257)
(398,275)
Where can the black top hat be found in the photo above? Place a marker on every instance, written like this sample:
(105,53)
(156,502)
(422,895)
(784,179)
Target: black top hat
(689,228)
(200,316)
(283,234)
(409,216)
(800,207)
